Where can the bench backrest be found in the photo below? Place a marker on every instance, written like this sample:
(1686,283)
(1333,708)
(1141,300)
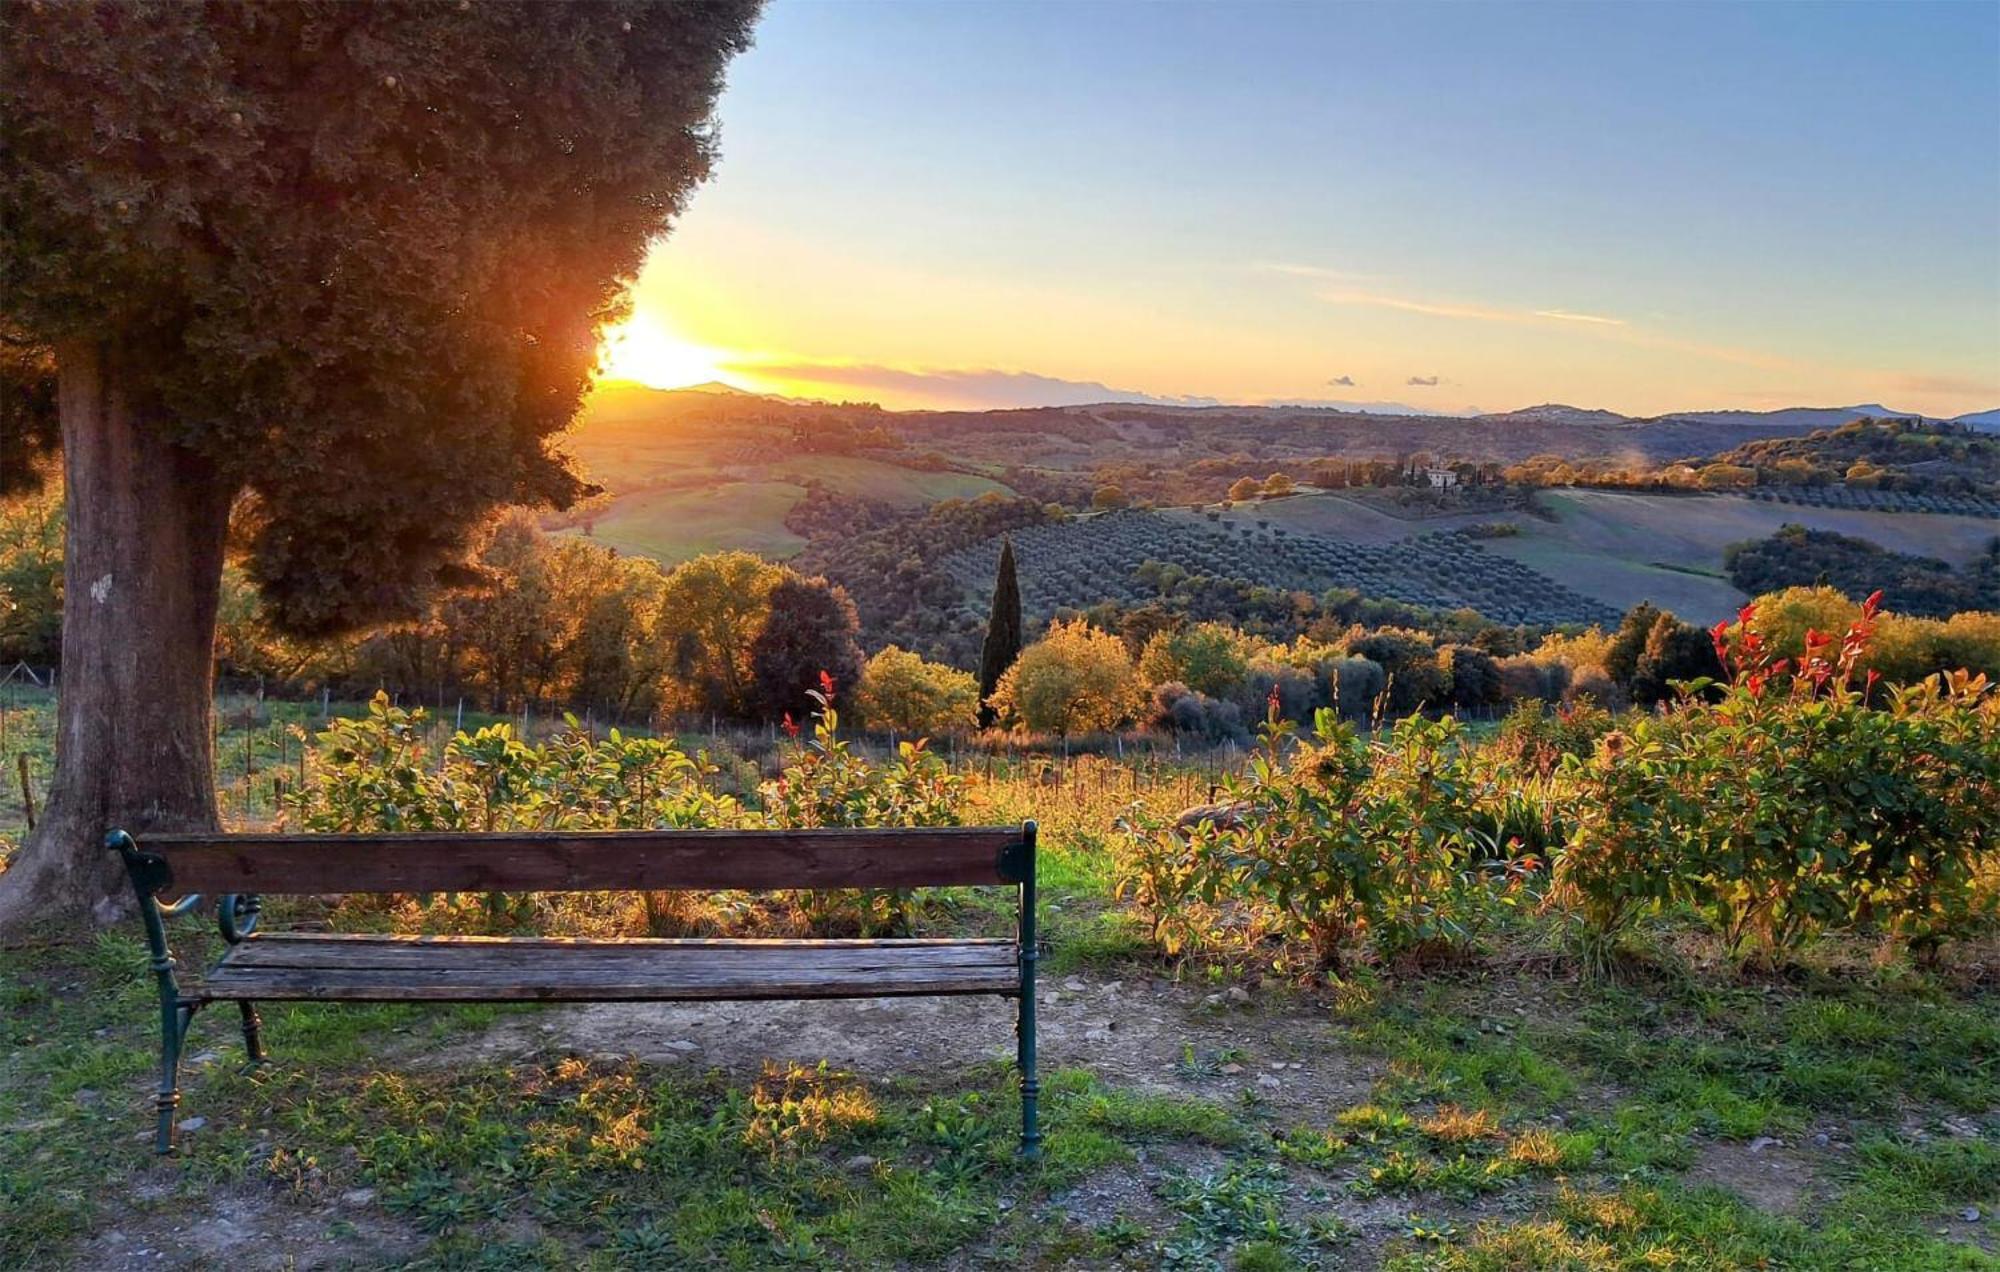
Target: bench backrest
(592,861)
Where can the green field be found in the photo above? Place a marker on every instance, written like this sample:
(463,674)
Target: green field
(673,525)
(679,485)
(891,483)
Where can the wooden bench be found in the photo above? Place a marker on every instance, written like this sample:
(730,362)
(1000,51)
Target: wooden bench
(172,872)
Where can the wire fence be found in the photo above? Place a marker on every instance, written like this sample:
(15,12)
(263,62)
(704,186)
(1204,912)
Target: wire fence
(261,748)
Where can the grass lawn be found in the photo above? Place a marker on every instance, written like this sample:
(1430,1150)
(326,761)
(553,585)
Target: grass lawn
(1504,1116)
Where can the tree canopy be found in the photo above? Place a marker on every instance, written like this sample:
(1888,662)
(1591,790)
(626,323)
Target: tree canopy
(1074,680)
(356,257)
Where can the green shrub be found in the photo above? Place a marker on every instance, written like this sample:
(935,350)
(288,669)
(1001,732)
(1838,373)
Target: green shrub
(1790,806)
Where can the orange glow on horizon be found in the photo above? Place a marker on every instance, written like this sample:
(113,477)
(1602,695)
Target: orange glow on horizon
(648,351)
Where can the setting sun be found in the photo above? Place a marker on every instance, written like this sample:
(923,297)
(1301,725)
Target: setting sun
(646,350)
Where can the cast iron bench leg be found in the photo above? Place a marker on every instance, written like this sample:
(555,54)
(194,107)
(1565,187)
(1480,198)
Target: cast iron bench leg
(1031,1088)
(253,1035)
(174,1018)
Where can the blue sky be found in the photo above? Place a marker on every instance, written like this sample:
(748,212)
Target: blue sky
(1643,207)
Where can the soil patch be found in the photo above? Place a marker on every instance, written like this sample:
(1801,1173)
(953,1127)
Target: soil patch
(1147,1034)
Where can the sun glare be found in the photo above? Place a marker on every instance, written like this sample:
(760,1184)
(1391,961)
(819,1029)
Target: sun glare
(645,350)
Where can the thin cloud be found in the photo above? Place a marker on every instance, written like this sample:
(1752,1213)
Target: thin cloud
(1322,273)
(1422,382)
(1436,309)
(1465,310)
(1598,324)
(1564,315)
(1914,382)
(1343,381)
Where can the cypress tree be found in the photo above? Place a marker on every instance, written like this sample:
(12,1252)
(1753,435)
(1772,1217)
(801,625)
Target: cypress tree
(1003,633)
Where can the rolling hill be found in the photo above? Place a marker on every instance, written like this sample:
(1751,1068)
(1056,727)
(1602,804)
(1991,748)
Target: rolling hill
(712,467)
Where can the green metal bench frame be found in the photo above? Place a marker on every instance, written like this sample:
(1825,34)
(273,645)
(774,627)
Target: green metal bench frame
(557,861)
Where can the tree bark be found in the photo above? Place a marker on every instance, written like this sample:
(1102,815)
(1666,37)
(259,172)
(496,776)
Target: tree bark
(145,523)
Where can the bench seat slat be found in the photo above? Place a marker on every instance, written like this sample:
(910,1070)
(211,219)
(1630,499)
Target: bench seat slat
(555,861)
(308,967)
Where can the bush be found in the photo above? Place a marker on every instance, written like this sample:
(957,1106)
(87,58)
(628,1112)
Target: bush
(1074,680)
(1209,658)
(1298,692)
(1180,710)
(1790,807)
(824,783)
(1353,685)
(1331,841)
(1475,675)
(903,692)
(1537,738)
(1410,662)
(1527,677)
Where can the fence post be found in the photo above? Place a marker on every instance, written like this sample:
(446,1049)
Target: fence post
(27,791)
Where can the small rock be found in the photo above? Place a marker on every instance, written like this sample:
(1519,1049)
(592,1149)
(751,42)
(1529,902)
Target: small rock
(357,1197)
(1232,1068)
(1266,1080)
(1213,1000)
(861,1161)
(193,1124)
(1277,1064)
(1237,994)
(201,1058)
(38,1124)
(1822,1139)
(683,1045)
(1006,1203)
(1970,1214)
(1074,984)
(1763,1142)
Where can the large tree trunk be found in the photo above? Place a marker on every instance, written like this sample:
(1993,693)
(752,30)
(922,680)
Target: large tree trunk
(142,572)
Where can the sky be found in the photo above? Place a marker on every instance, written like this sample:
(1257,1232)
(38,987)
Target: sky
(1627,206)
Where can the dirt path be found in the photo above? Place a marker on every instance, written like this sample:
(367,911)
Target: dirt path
(1137,1033)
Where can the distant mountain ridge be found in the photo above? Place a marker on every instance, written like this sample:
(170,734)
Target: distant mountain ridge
(1554,413)
(1789,419)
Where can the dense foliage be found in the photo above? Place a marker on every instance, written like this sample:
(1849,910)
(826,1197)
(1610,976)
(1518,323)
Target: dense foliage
(904,693)
(1911,455)
(1076,679)
(201,190)
(897,576)
(376,773)
(1799,557)
(1780,804)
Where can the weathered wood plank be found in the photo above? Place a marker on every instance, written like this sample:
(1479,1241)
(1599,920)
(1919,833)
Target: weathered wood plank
(388,968)
(558,861)
(309,952)
(314,991)
(677,942)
